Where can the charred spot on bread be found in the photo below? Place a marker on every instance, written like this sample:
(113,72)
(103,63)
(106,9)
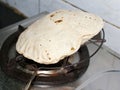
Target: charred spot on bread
(58,21)
(47,53)
(72,48)
(49,58)
(90,18)
(40,44)
(52,15)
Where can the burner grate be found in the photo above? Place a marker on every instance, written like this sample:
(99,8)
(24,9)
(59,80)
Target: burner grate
(18,67)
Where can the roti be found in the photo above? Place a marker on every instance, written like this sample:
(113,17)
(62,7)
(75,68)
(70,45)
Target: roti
(58,35)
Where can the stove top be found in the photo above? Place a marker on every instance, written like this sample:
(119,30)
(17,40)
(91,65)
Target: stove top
(17,68)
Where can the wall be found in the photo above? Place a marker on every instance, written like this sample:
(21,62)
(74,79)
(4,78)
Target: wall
(27,7)
(107,9)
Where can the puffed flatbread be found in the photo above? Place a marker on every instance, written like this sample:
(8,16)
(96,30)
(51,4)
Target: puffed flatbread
(57,35)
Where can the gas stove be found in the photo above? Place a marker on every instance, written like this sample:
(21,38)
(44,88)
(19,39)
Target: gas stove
(16,66)
(19,67)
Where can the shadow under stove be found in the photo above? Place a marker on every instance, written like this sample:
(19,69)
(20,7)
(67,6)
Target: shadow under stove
(8,16)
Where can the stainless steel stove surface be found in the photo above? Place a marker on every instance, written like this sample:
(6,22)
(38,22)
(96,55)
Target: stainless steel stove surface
(101,62)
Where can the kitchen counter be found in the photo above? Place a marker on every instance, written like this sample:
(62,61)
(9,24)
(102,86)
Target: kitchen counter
(102,61)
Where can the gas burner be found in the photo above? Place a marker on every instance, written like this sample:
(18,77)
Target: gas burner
(19,67)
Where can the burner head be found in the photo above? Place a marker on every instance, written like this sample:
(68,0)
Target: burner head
(19,67)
